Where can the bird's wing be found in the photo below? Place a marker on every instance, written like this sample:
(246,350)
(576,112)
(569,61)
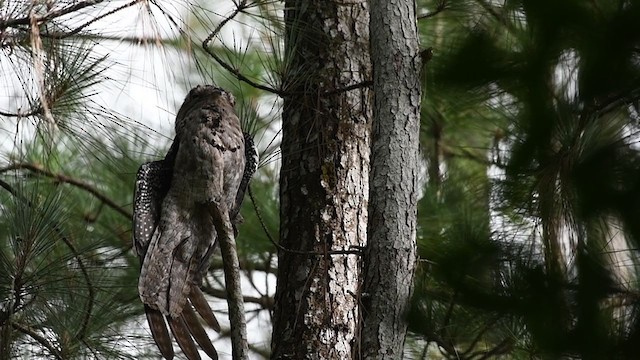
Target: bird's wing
(151,187)
(152,184)
(153,181)
(250,167)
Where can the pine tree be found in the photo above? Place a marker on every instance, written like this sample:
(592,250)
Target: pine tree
(324,179)
(530,248)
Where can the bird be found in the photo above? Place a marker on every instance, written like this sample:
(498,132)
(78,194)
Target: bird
(210,161)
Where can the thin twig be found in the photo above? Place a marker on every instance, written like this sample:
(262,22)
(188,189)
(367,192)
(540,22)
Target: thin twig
(266,302)
(244,265)
(447,316)
(616,102)
(39,338)
(66,34)
(502,348)
(363,84)
(71,181)
(36,111)
(235,300)
(265,353)
(486,327)
(48,16)
(355,250)
(147,40)
(205,45)
(444,346)
(81,334)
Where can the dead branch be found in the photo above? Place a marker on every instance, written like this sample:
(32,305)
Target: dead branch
(231,264)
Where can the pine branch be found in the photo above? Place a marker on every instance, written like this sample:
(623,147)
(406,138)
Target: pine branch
(36,111)
(81,334)
(265,302)
(504,347)
(136,40)
(246,265)
(205,45)
(39,338)
(5,23)
(363,84)
(71,181)
(265,353)
(66,34)
(480,333)
(85,274)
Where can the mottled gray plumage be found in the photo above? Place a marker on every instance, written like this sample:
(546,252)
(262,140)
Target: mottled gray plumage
(174,235)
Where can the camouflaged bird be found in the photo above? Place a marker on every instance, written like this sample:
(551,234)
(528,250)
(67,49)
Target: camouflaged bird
(210,161)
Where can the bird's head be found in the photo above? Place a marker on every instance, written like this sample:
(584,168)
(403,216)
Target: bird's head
(209,92)
(203,95)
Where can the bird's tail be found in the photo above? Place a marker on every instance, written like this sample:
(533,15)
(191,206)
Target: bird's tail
(186,327)
(196,297)
(159,331)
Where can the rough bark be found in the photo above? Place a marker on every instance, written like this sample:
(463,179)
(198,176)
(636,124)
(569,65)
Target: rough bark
(324,179)
(390,256)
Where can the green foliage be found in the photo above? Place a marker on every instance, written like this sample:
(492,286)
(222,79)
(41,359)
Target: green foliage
(57,276)
(538,259)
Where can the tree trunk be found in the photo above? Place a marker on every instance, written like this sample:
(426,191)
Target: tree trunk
(390,256)
(324,179)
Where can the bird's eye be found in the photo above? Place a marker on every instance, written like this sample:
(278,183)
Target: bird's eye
(232,99)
